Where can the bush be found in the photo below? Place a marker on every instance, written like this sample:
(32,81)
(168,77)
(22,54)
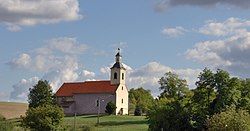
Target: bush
(5,125)
(230,120)
(45,117)
(138,111)
(110,108)
(2,118)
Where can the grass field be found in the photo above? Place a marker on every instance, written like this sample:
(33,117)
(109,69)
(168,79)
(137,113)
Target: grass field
(12,110)
(108,123)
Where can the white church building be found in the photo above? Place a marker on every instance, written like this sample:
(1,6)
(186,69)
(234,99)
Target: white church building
(83,97)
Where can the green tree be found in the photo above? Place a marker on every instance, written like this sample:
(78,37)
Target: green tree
(110,108)
(41,94)
(244,101)
(138,111)
(169,117)
(228,91)
(43,112)
(44,117)
(172,86)
(229,120)
(203,96)
(170,111)
(140,98)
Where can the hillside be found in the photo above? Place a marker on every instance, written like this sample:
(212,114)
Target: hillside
(12,109)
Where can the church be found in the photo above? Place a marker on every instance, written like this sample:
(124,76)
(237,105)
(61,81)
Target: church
(85,97)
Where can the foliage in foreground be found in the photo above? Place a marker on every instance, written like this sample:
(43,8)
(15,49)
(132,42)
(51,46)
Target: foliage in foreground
(110,108)
(138,111)
(43,112)
(230,120)
(179,108)
(5,125)
(45,117)
(140,98)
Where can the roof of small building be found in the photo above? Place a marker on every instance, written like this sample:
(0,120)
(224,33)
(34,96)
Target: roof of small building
(87,87)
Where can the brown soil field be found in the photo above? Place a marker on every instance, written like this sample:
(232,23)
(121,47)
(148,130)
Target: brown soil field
(13,110)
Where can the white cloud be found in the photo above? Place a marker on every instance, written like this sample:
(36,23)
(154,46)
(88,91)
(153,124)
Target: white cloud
(87,73)
(21,89)
(174,32)
(147,76)
(22,61)
(46,58)
(16,13)
(231,53)
(231,26)
(56,60)
(162,5)
(67,45)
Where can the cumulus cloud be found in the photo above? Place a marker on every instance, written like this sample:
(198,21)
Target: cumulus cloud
(16,13)
(21,89)
(57,61)
(46,58)
(230,52)
(230,26)
(162,5)
(23,60)
(174,32)
(148,75)
(67,45)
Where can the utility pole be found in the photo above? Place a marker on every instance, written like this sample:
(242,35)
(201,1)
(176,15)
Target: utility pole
(98,113)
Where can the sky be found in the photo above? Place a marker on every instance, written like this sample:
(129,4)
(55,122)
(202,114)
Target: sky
(72,40)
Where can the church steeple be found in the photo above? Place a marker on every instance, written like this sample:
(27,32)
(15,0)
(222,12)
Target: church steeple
(117,70)
(118,57)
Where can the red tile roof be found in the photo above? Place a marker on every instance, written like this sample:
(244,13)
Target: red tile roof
(88,87)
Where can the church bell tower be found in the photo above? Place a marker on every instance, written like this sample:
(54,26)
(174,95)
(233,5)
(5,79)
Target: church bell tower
(118,72)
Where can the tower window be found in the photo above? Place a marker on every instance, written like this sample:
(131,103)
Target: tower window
(122,76)
(115,75)
(122,100)
(122,87)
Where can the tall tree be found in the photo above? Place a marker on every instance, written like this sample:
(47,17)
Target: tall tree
(140,98)
(43,112)
(172,86)
(204,94)
(244,101)
(170,111)
(228,91)
(41,94)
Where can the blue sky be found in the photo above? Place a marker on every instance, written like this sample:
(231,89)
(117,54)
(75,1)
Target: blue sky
(70,40)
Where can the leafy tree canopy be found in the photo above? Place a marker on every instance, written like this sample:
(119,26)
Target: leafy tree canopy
(141,98)
(41,94)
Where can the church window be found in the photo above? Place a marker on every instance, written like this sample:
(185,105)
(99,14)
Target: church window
(97,102)
(122,100)
(122,76)
(122,87)
(115,75)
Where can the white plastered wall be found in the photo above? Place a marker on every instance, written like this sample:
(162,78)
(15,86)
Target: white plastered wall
(122,93)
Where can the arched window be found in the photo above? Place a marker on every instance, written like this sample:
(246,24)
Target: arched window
(122,87)
(115,75)
(122,76)
(122,100)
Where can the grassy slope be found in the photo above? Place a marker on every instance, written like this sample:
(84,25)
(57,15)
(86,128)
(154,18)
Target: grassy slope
(12,110)
(110,123)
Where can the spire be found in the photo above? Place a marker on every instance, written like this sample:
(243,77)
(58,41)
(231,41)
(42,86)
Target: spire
(118,56)
(118,60)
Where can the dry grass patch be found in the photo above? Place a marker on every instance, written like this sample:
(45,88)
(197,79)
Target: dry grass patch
(13,110)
